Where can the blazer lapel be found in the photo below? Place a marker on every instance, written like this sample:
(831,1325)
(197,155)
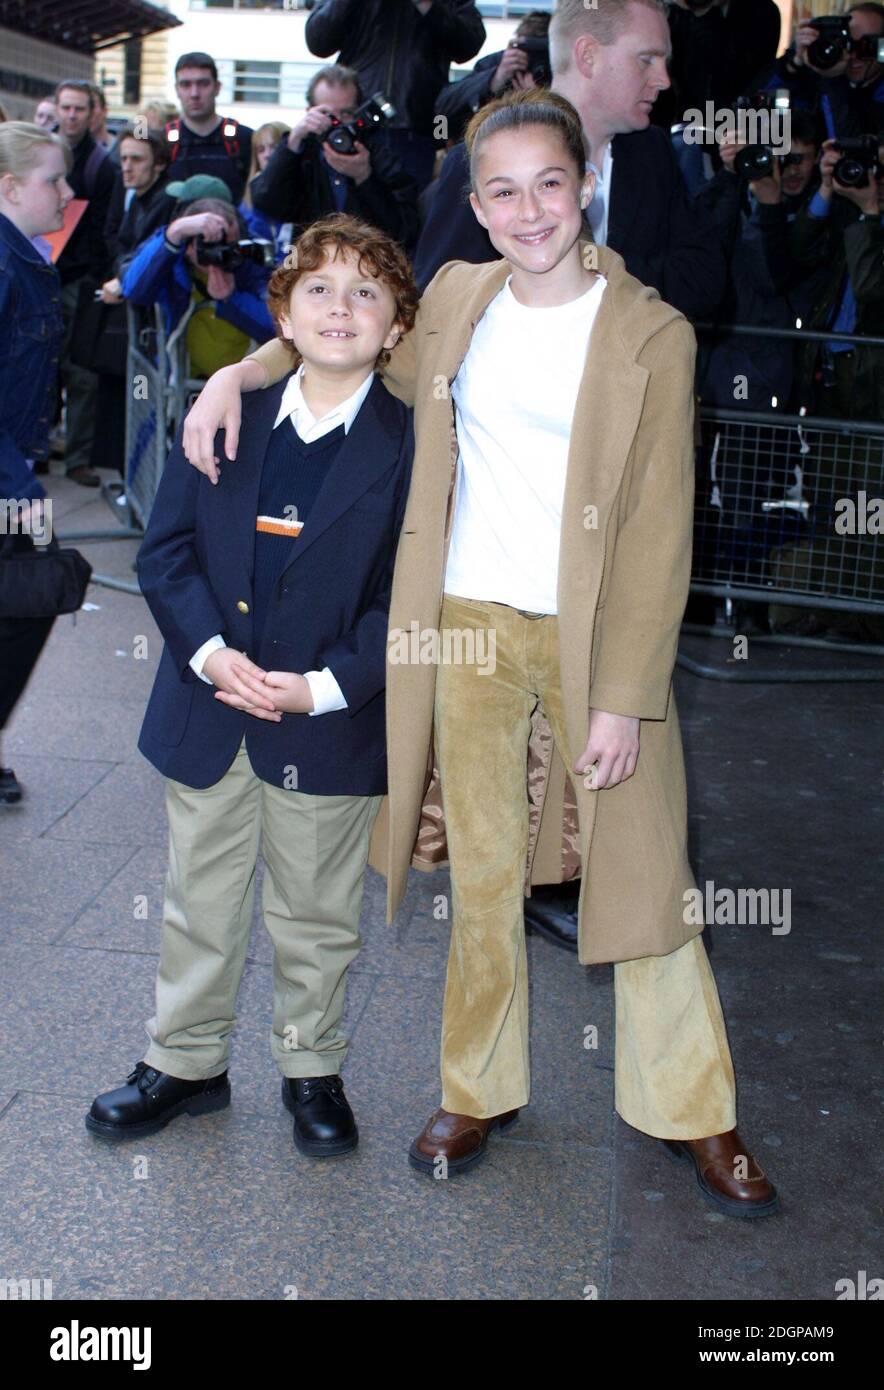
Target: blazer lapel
(236,495)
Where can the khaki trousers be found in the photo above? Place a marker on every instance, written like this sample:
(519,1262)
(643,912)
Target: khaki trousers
(673,1074)
(315,849)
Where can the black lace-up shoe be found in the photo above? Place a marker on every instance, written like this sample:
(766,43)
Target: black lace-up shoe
(10,787)
(324,1122)
(150,1099)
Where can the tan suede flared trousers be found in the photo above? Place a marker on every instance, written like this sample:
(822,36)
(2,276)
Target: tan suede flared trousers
(673,1073)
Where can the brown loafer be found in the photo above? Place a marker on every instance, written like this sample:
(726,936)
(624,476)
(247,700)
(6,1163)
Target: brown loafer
(459,1139)
(727,1174)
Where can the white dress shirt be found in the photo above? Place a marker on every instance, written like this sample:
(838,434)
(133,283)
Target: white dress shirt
(597,212)
(514,399)
(327,694)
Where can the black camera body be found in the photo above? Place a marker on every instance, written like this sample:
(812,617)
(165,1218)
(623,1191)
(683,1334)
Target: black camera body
(753,161)
(831,45)
(372,113)
(539,63)
(858,163)
(230,255)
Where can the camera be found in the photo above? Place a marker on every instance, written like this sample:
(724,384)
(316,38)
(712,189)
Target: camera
(231,255)
(753,161)
(832,42)
(858,162)
(539,64)
(372,113)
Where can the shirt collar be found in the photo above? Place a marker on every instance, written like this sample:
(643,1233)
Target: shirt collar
(294,405)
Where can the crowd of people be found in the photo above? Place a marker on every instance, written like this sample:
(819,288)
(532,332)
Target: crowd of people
(186,208)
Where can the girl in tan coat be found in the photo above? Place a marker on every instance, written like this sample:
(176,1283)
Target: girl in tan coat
(545,559)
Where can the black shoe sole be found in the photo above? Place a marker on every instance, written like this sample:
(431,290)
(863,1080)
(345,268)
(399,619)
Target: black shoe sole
(200,1104)
(730,1206)
(318,1148)
(10,798)
(423,1164)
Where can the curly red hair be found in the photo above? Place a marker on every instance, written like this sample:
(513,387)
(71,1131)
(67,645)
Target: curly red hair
(376,253)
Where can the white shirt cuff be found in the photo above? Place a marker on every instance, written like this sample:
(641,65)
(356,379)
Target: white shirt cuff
(198,660)
(327,694)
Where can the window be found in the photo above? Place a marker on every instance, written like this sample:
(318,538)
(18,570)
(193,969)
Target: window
(511,9)
(248,4)
(264,84)
(132,72)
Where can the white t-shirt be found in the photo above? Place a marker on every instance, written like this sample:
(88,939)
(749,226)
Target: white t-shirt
(514,399)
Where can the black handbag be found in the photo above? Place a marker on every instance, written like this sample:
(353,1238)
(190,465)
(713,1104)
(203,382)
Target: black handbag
(100,335)
(40,581)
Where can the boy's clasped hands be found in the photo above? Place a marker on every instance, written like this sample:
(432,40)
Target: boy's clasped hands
(265,694)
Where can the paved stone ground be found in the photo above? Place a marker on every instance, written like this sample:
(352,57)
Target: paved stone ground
(786,792)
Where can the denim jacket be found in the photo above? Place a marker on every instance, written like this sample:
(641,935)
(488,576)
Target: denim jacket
(30,340)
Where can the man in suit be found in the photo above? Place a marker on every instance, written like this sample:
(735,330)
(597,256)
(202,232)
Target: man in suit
(267,713)
(307,178)
(610,63)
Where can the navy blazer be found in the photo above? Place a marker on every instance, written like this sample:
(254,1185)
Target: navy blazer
(666,241)
(330,607)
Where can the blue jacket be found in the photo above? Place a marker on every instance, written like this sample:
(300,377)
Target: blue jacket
(156,273)
(259,225)
(30,311)
(330,608)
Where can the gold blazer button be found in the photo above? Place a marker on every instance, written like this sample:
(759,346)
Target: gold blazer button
(242,605)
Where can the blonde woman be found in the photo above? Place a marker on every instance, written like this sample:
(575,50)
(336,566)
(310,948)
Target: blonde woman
(264,142)
(549,520)
(33,195)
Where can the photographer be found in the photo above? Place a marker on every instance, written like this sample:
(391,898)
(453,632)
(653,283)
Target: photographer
(511,70)
(850,77)
(306,178)
(718,49)
(225,309)
(404,49)
(841,231)
(753,200)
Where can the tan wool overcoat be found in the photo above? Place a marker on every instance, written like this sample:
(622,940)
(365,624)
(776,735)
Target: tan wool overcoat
(624,571)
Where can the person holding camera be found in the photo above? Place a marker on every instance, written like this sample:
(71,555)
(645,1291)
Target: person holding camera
(324,166)
(403,48)
(718,48)
(523,64)
(842,51)
(753,200)
(842,230)
(208,283)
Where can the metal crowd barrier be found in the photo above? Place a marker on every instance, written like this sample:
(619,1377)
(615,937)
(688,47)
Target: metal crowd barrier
(787,514)
(158,394)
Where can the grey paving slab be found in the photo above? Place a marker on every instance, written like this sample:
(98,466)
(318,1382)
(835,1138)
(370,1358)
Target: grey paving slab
(801,1008)
(53,786)
(223,1208)
(47,884)
(126,807)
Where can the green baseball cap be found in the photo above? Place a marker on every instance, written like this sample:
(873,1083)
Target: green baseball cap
(199,186)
